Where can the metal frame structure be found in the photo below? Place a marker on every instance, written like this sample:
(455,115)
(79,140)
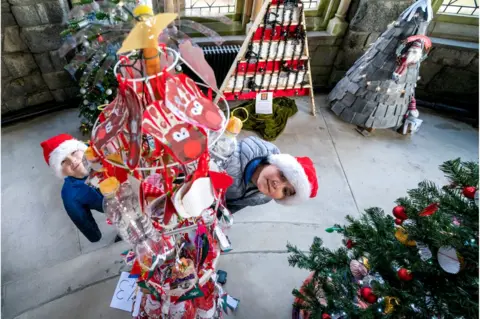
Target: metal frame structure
(454,4)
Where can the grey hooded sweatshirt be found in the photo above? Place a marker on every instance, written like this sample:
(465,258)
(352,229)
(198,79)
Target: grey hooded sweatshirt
(242,194)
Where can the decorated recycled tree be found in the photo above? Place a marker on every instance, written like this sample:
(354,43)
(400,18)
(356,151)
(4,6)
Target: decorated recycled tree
(150,154)
(420,263)
(95,32)
(378,91)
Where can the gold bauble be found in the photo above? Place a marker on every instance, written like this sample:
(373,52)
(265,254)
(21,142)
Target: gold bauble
(402,237)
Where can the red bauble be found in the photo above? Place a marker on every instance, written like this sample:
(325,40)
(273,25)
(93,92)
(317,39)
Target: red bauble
(469,192)
(404,274)
(398,221)
(367,295)
(399,212)
(349,244)
(326,316)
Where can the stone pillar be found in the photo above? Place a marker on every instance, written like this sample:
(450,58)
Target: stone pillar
(170,6)
(247,12)
(337,26)
(257,6)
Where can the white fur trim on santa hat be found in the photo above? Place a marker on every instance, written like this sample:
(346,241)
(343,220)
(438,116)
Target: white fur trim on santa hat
(63,150)
(295,174)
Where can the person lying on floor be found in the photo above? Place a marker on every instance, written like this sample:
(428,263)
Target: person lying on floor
(261,173)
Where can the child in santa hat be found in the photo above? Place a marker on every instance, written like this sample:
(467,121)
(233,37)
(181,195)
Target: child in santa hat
(64,154)
(261,173)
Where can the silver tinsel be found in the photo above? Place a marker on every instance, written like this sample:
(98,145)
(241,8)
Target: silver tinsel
(409,222)
(424,252)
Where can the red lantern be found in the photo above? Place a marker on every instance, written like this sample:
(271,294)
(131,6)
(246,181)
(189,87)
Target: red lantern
(404,274)
(398,221)
(469,192)
(399,212)
(326,316)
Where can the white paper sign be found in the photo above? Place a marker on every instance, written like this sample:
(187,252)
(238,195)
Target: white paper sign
(263,103)
(124,294)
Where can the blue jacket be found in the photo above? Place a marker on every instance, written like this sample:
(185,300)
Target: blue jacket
(78,199)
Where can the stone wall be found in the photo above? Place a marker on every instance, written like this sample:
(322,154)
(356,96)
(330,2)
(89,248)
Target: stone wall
(450,75)
(32,71)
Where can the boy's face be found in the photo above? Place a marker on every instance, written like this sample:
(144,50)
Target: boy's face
(272,182)
(72,165)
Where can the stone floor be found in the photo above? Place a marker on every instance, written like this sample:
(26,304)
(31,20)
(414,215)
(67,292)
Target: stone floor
(49,269)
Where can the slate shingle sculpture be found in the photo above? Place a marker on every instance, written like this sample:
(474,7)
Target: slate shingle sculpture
(376,91)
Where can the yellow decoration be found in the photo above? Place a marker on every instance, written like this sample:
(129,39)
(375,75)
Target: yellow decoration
(235,124)
(101,107)
(109,186)
(142,10)
(402,237)
(145,33)
(90,154)
(389,304)
(365,263)
(115,157)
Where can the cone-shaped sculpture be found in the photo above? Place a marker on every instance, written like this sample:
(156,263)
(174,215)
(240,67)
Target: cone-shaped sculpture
(377,89)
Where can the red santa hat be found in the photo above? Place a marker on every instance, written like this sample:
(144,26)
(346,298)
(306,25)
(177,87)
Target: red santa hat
(57,148)
(301,173)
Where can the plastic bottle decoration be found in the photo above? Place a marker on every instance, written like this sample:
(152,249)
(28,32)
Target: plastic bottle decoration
(227,143)
(151,254)
(122,209)
(193,55)
(91,161)
(183,277)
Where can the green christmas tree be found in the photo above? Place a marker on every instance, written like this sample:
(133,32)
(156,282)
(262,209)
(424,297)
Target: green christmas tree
(420,263)
(94,34)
